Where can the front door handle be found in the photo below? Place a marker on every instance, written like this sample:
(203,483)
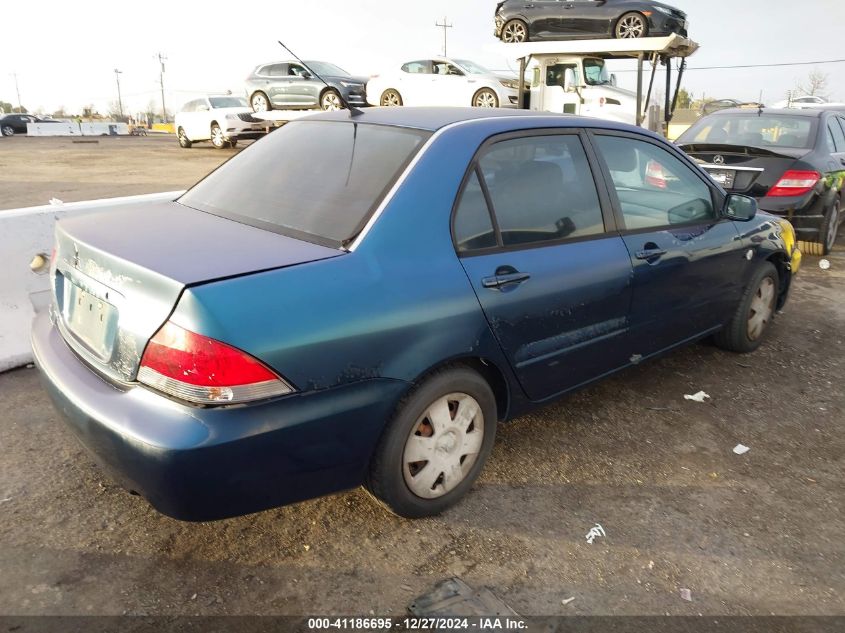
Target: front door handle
(501,281)
(650,253)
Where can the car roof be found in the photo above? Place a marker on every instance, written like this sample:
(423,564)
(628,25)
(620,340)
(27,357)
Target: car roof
(433,118)
(810,113)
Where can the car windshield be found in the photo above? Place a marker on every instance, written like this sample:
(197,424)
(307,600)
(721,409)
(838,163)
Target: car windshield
(326,69)
(595,72)
(289,183)
(228,102)
(471,67)
(753,130)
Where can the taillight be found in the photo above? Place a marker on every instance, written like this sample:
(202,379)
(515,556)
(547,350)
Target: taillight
(795,183)
(655,176)
(201,370)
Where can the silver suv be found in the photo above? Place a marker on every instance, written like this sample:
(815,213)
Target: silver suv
(290,86)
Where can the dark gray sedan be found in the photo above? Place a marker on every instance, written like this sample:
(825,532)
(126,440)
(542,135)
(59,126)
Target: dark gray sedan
(292,85)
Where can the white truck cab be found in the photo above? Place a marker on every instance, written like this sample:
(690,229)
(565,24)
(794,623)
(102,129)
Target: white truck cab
(572,77)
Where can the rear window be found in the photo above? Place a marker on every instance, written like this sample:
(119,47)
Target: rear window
(753,130)
(313,180)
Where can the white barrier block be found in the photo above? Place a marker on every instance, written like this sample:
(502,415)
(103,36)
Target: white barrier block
(104,128)
(25,233)
(62,128)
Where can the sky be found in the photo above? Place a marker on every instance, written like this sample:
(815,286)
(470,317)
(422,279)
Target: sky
(65,55)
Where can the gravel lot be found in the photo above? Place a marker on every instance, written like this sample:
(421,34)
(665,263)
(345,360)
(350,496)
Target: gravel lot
(756,534)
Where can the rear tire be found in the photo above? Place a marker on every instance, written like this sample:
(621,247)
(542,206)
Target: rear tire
(8,130)
(514,32)
(184,141)
(832,220)
(748,327)
(435,446)
(632,25)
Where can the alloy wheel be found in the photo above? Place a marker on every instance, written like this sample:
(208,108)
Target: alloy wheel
(259,103)
(514,33)
(391,98)
(630,27)
(8,130)
(331,101)
(443,445)
(217,138)
(762,309)
(485,99)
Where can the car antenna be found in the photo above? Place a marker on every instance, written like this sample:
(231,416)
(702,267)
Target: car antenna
(353,111)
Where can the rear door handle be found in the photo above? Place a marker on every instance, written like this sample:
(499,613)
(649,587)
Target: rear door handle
(500,281)
(650,253)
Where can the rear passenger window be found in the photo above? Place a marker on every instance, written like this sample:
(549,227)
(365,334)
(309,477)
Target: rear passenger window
(838,137)
(473,226)
(542,189)
(654,187)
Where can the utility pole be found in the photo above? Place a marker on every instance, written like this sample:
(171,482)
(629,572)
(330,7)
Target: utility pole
(445,26)
(119,100)
(161,60)
(18,90)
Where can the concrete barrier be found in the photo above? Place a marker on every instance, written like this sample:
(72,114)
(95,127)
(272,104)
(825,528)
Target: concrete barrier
(62,128)
(24,233)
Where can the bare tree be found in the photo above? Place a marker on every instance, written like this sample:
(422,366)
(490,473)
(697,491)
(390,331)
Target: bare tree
(816,83)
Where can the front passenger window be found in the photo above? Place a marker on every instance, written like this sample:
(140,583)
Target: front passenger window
(654,188)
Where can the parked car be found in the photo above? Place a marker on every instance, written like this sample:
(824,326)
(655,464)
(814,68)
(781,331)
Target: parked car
(291,86)
(806,101)
(791,161)
(517,21)
(281,332)
(223,120)
(442,81)
(724,104)
(11,124)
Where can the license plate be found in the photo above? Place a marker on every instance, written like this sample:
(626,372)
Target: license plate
(724,177)
(91,320)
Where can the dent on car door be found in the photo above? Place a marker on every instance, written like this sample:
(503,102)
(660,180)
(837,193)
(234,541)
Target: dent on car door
(553,280)
(688,261)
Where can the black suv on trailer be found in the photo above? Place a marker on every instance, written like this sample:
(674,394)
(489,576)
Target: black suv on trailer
(520,21)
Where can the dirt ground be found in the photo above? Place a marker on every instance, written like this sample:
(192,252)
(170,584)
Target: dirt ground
(35,169)
(759,534)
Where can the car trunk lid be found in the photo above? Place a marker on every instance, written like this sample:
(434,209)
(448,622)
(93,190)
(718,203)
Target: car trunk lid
(118,275)
(744,169)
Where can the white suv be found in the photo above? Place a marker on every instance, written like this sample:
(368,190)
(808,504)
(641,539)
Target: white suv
(222,120)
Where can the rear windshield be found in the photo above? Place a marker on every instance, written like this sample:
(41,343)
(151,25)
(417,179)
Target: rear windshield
(314,180)
(753,130)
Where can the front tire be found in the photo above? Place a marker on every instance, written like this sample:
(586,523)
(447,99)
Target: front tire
(631,26)
(514,32)
(485,98)
(260,103)
(184,141)
(436,444)
(217,138)
(391,98)
(747,328)
(331,100)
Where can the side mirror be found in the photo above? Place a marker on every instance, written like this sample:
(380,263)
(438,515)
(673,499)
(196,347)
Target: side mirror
(569,81)
(613,80)
(740,208)
(306,75)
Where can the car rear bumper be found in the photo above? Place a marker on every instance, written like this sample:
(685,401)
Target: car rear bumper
(806,213)
(199,464)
